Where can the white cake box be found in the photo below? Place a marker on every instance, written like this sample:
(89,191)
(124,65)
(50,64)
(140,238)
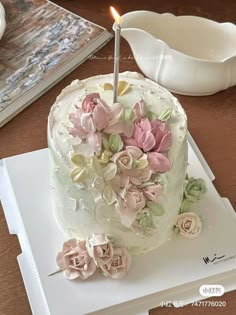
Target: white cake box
(174,272)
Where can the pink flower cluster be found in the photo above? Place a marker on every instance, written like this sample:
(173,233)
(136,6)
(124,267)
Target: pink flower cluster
(93,116)
(79,260)
(142,150)
(154,138)
(132,199)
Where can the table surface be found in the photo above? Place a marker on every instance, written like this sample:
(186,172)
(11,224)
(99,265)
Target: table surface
(211,123)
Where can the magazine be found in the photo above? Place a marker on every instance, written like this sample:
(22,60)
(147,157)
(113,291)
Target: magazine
(42,43)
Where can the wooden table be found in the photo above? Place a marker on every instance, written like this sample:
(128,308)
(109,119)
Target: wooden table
(212,123)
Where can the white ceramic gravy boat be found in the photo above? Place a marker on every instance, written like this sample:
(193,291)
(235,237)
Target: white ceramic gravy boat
(186,54)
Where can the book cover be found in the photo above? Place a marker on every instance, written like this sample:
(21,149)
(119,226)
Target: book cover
(42,43)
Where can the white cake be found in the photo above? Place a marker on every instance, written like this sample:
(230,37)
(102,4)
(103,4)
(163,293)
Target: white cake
(83,200)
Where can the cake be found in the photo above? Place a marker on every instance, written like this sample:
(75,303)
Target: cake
(118,171)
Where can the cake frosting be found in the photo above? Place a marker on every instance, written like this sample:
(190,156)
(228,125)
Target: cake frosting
(82,172)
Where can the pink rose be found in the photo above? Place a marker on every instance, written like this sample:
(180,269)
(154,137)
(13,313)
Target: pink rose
(124,159)
(119,265)
(74,259)
(152,192)
(100,249)
(140,110)
(132,201)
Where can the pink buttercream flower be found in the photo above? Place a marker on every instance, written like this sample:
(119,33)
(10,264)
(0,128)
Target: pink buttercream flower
(96,114)
(139,176)
(119,182)
(74,259)
(100,249)
(92,118)
(162,136)
(77,130)
(95,141)
(132,201)
(154,138)
(90,102)
(119,265)
(123,159)
(140,109)
(152,192)
(142,136)
(125,162)
(158,162)
(150,136)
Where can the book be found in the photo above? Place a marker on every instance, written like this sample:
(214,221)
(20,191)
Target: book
(42,43)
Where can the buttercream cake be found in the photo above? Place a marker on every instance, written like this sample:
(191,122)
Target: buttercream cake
(118,169)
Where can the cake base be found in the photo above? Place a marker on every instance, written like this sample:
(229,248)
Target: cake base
(174,272)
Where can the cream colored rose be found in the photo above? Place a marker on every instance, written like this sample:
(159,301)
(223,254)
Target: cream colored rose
(189,224)
(119,265)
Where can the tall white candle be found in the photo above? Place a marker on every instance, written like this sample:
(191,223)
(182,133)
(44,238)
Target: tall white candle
(116,53)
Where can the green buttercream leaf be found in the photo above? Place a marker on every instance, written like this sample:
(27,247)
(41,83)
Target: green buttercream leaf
(105,143)
(165,115)
(155,208)
(128,115)
(115,143)
(185,206)
(146,184)
(135,163)
(109,194)
(151,116)
(160,178)
(146,222)
(109,171)
(141,215)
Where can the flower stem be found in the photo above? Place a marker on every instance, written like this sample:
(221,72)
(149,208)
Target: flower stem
(55,272)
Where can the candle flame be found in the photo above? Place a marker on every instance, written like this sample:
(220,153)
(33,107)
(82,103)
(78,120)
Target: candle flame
(115,15)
